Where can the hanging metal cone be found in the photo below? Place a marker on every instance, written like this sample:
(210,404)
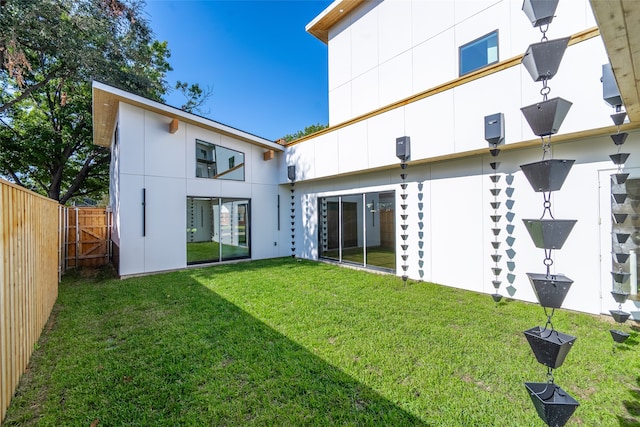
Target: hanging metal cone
(549,346)
(553,405)
(496,283)
(619,138)
(543,59)
(494,165)
(622,237)
(550,290)
(619,158)
(619,315)
(496,271)
(621,257)
(619,336)
(495,191)
(540,12)
(620,178)
(619,197)
(494,178)
(495,245)
(549,233)
(619,218)
(495,218)
(547,175)
(620,276)
(620,297)
(495,205)
(494,152)
(496,257)
(618,118)
(496,297)
(545,117)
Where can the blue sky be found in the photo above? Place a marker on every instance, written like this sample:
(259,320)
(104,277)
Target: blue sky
(267,74)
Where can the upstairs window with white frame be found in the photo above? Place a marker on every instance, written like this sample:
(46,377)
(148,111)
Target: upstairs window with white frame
(479,53)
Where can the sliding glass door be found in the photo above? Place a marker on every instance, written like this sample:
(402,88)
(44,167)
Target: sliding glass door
(358,229)
(218,229)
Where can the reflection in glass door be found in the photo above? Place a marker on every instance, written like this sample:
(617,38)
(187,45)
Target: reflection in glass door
(217,229)
(358,229)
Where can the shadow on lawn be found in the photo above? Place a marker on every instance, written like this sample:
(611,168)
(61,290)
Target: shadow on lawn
(633,408)
(272,380)
(191,357)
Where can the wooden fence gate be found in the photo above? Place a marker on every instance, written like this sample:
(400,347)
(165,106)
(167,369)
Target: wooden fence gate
(86,237)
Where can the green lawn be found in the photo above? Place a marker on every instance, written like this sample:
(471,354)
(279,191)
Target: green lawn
(287,343)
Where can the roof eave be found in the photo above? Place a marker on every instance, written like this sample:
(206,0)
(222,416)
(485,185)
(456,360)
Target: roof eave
(329,17)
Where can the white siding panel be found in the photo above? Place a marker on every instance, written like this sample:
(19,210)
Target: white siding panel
(264,220)
(166,218)
(394,22)
(340,106)
(364,41)
(383,131)
(435,61)
(430,18)
(353,148)
(339,56)
(395,79)
(131,129)
(164,152)
(465,10)
(326,154)
(130,213)
(429,123)
(365,96)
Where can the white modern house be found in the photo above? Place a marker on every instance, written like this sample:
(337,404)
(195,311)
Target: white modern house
(427,74)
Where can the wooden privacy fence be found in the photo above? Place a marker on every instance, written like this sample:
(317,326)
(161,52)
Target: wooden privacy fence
(29,260)
(85,235)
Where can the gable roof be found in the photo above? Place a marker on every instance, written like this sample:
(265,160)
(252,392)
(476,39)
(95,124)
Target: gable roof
(106,100)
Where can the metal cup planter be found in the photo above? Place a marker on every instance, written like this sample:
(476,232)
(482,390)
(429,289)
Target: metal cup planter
(619,197)
(618,118)
(549,346)
(547,175)
(620,178)
(550,290)
(620,297)
(620,276)
(618,336)
(542,60)
(622,237)
(619,138)
(554,405)
(619,316)
(549,233)
(540,12)
(496,297)
(619,218)
(621,257)
(545,117)
(619,158)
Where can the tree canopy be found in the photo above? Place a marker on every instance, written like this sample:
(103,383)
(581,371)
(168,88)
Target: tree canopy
(50,51)
(307,131)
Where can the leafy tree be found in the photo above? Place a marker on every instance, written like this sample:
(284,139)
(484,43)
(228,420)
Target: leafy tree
(307,131)
(195,95)
(50,51)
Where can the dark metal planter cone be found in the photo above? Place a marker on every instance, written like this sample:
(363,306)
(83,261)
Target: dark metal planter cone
(619,158)
(550,290)
(619,218)
(543,59)
(549,346)
(549,233)
(621,257)
(622,237)
(554,405)
(619,316)
(545,117)
(496,297)
(618,118)
(620,178)
(619,138)
(620,276)
(618,336)
(619,197)
(547,175)
(540,12)
(620,297)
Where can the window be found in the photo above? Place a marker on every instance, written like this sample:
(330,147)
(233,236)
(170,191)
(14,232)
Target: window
(479,53)
(217,229)
(214,161)
(358,229)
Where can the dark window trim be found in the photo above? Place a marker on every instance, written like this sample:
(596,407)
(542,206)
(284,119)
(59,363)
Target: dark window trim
(490,33)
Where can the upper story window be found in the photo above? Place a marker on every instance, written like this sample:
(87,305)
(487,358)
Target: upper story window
(479,53)
(214,161)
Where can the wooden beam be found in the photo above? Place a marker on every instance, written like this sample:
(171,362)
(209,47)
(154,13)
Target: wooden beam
(268,155)
(173,126)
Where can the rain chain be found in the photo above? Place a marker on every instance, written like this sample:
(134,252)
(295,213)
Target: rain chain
(550,347)
(403,152)
(291,174)
(621,256)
